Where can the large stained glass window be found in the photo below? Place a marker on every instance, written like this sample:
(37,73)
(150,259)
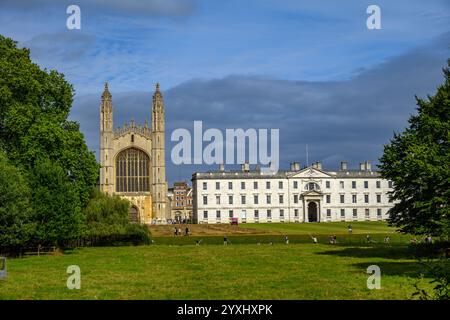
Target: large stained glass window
(132,171)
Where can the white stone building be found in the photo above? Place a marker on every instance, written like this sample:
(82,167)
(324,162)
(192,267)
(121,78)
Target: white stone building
(296,195)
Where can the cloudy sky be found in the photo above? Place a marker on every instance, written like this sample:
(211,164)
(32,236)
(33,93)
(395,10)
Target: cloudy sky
(310,68)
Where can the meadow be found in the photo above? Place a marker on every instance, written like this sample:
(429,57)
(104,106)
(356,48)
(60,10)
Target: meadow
(258,265)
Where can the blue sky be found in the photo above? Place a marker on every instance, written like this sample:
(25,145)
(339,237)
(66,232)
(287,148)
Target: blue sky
(310,68)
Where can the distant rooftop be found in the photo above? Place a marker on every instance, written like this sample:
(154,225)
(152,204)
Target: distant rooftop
(364,171)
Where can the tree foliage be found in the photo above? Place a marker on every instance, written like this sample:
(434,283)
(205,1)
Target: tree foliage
(418,162)
(108,221)
(56,205)
(16,226)
(34,109)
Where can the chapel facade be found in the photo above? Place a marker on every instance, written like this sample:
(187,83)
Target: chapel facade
(132,161)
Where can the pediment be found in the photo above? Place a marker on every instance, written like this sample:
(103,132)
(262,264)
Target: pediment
(312,193)
(309,172)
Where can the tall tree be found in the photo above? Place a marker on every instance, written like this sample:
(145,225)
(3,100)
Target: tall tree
(418,162)
(55,203)
(34,109)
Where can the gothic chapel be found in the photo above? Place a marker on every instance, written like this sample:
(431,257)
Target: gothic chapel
(132,160)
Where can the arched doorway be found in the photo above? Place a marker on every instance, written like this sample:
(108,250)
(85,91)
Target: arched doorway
(134,214)
(312,212)
(178,217)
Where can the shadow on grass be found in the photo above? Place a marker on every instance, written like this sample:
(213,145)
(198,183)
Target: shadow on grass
(377,251)
(392,268)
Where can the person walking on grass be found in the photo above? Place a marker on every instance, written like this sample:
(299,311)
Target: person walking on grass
(368,240)
(286,239)
(225,240)
(350,229)
(186,231)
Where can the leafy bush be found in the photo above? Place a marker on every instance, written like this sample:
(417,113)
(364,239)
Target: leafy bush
(107,220)
(439,272)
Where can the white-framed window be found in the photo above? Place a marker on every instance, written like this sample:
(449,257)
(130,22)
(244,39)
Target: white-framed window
(205,214)
(255,199)
(217,185)
(268,199)
(243,199)
(312,186)
(205,186)
(280,198)
(218,199)
(230,199)
(242,185)
(328,198)
(295,184)
(205,199)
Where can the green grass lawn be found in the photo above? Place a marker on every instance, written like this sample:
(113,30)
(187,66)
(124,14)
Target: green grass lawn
(258,265)
(239,271)
(297,233)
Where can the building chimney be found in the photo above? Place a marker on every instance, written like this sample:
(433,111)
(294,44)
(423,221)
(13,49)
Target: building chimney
(292,166)
(368,166)
(221,167)
(344,165)
(297,166)
(245,167)
(362,166)
(319,165)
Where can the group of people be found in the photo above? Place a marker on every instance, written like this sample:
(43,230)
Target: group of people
(427,239)
(177,231)
(332,239)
